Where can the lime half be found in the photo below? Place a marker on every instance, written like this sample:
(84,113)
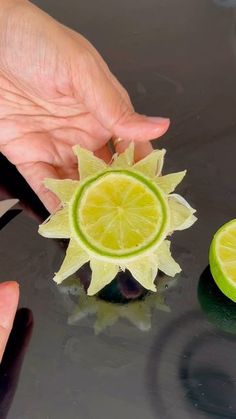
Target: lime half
(223,259)
(119,214)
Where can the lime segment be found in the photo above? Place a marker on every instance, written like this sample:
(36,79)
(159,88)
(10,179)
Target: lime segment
(56,226)
(64,189)
(89,164)
(102,275)
(166,263)
(152,164)
(181,213)
(223,259)
(75,258)
(144,271)
(125,159)
(169,182)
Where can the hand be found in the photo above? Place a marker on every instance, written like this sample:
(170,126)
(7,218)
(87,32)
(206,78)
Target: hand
(56,91)
(9,296)
(11,360)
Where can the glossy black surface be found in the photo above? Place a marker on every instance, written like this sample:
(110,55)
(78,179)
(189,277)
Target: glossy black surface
(176,58)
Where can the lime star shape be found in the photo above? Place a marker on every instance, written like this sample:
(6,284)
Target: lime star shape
(138,311)
(118,217)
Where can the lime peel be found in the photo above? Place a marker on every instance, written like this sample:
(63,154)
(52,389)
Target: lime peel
(118,217)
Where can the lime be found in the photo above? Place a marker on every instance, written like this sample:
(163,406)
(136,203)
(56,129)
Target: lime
(120,214)
(118,217)
(223,259)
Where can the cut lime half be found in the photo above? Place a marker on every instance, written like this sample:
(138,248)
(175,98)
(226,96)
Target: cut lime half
(223,259)
(119,214)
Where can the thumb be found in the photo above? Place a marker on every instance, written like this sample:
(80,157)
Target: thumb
(136,127)
(110,104)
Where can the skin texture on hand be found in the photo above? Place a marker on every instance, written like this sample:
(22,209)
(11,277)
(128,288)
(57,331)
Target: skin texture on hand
(56,91)
(9,296)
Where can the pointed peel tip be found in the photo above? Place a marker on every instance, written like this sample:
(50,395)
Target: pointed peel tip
(75,148)
(153,288)
(46,181)
(57,279)
(90,292)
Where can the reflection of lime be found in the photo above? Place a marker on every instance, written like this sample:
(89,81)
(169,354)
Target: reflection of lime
(219,310)
(223,259)
(120,213)
(113,303)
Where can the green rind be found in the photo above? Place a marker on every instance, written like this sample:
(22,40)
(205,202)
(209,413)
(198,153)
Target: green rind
(113,255)
(220,278)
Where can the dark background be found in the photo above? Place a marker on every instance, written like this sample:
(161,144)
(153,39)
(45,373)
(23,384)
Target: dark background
(177,59)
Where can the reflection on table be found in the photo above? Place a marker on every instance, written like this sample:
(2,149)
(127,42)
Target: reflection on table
(123,298)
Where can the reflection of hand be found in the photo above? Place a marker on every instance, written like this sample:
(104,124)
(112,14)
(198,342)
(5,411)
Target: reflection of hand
(17,343)
(57,91)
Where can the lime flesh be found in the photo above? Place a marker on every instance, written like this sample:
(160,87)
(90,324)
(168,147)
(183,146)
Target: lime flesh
(119,214)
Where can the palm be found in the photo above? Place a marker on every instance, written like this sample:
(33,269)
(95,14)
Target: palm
(42,111)
(56,91)
(47,138)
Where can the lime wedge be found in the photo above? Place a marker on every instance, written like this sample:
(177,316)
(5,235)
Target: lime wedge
(223,259)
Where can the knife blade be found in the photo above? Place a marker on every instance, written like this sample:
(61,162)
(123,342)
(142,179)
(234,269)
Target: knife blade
(6,205)
(7,212)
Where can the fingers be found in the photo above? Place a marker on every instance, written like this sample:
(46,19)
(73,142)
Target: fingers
(9,297)
(142,150)
(108,103)
(104,153)
(140,128)
(35,174)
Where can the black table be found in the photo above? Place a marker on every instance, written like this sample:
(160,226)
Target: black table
(176,58)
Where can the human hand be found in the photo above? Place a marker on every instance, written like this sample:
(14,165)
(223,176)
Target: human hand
(18,341)
(56,91)
(9,296)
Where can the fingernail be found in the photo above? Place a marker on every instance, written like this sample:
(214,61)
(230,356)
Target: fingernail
(7,283)
(158,120)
